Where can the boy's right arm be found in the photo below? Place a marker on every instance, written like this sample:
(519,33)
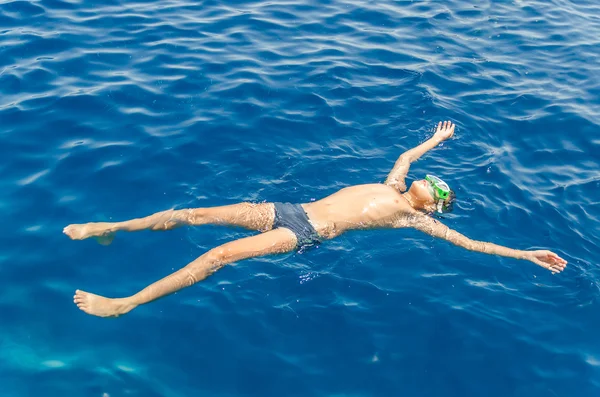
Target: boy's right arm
(398,174)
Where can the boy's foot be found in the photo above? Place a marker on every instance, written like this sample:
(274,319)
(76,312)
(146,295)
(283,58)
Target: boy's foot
(100,230)
(100,306)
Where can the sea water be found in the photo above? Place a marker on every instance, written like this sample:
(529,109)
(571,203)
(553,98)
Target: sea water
(115,110)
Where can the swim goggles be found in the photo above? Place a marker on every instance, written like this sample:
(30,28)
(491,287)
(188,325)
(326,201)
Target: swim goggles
(439,189)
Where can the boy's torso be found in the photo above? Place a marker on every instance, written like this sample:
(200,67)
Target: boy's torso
(357,207)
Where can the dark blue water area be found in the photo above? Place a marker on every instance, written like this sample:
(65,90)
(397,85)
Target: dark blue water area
(114,110)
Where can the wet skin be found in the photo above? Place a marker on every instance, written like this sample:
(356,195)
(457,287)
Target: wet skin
(369,206)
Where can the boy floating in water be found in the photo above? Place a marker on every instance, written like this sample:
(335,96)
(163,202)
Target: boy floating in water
(286,227)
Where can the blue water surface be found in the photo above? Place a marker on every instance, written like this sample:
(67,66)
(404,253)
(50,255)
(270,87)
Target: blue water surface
(113,110)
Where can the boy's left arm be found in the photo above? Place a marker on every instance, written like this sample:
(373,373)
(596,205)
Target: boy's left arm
(546,259)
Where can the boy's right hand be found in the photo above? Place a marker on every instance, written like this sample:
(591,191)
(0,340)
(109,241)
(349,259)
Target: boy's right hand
(444,131)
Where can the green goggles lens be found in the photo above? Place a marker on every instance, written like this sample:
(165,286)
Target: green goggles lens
(440,189)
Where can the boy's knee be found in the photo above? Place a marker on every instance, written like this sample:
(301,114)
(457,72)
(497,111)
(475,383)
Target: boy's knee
(191,216)
(166,220)
(216,255)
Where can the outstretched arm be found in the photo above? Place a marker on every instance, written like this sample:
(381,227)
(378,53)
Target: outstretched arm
(426,224)
(396,176)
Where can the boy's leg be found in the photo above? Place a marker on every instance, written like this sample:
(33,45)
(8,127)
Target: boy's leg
(247,215)
(276,241)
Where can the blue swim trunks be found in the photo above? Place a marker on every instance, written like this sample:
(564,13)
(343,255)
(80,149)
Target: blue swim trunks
(293,217)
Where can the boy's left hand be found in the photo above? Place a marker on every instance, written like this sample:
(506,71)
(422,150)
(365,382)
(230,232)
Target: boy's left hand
(547,259)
